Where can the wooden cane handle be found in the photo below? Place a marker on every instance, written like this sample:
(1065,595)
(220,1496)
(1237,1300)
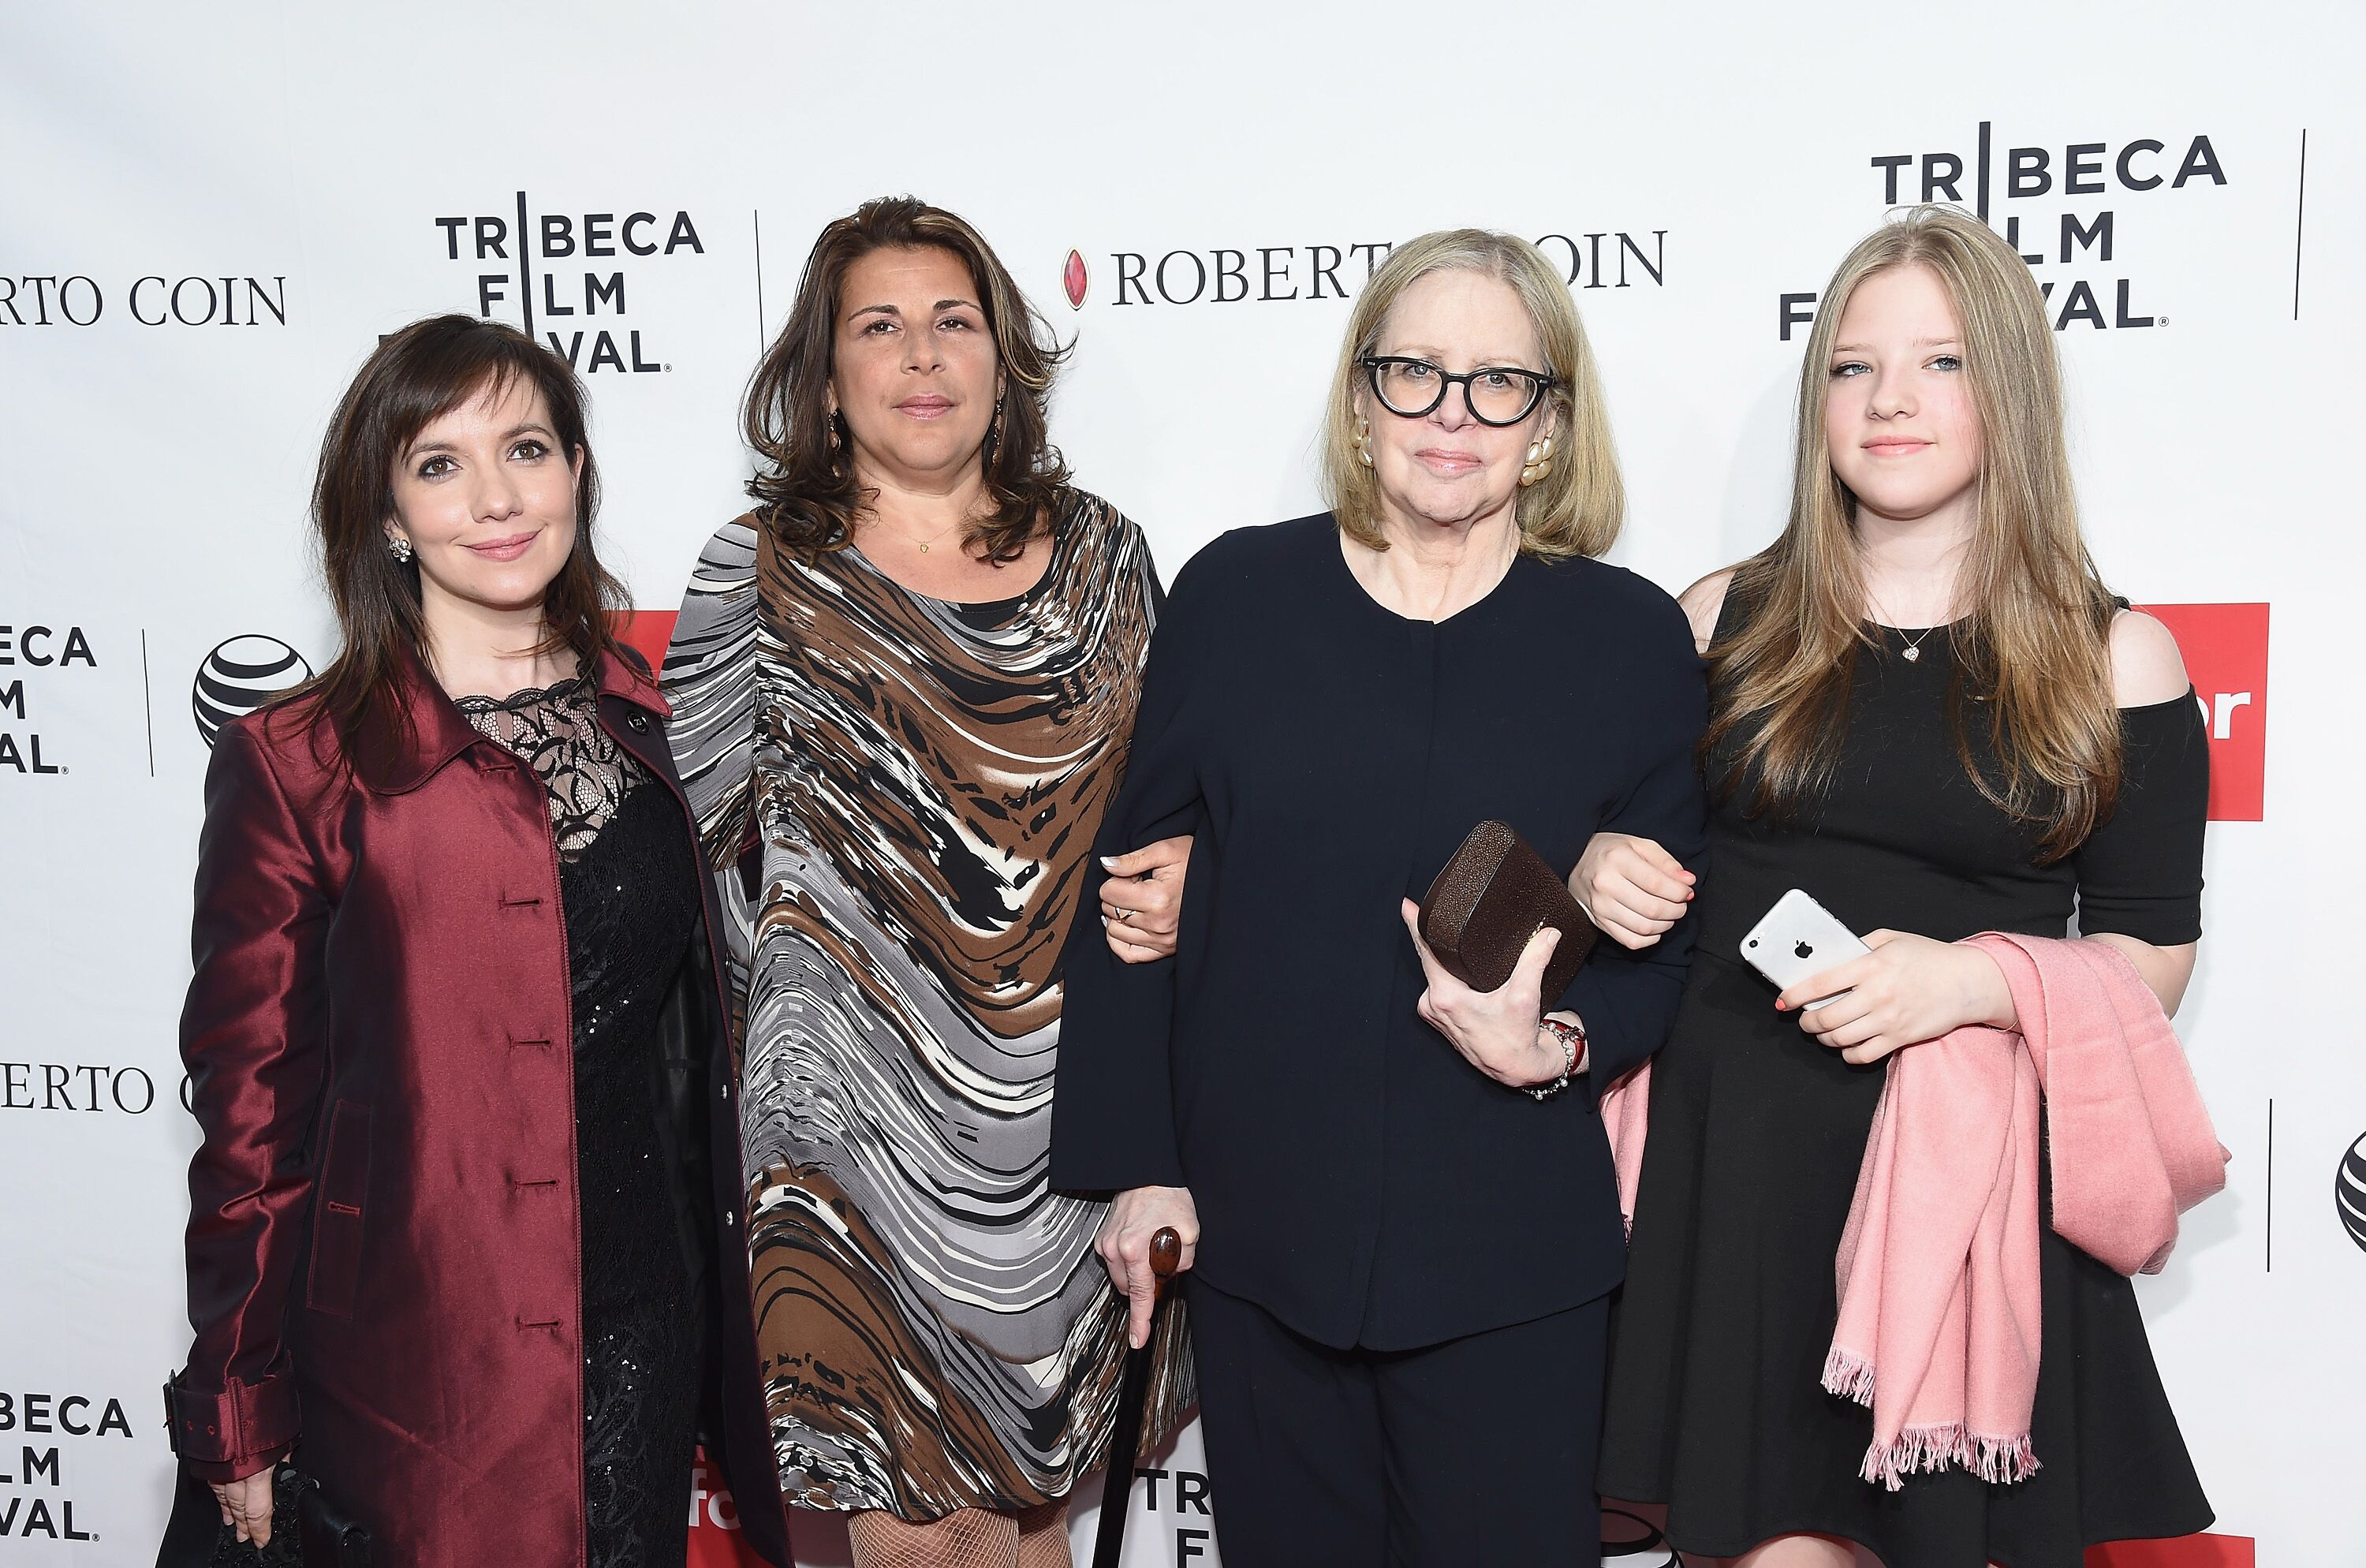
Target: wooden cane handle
(1165,1253)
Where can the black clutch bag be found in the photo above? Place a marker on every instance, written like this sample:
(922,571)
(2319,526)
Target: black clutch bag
(1494,894)
(306,1529)
(289,1487)
(330,1536)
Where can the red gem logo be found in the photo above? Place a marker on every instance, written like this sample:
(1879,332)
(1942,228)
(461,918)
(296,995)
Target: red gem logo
(1074,279)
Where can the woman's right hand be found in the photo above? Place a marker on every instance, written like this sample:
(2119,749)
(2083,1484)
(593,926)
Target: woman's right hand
(1142,899)
(1633,889)
(1139,1213)
(246,1503)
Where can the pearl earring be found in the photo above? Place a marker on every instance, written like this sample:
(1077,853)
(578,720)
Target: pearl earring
(1363,441)
(1538,461)
(399,548)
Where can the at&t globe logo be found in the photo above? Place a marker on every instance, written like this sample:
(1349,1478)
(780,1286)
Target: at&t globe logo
(241,675)
(2350,1191)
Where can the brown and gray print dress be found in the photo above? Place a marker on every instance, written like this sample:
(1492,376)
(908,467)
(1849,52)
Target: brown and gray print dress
(896,796)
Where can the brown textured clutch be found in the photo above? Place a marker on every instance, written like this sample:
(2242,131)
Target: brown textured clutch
(1491,897)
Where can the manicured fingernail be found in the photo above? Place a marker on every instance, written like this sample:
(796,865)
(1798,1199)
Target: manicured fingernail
(1109,862)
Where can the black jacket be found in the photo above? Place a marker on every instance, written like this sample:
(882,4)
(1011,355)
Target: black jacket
(1354,1175)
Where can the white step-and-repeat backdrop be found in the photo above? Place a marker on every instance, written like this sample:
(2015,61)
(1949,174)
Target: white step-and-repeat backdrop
(208,213)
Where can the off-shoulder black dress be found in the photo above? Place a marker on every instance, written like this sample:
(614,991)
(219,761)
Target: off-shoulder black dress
(1715,1405)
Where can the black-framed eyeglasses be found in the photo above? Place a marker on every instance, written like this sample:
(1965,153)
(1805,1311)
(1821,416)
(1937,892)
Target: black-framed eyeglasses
(1498,394)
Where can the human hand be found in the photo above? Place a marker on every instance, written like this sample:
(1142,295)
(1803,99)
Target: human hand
(1139,1213)
(1495,1031)
(1142,898)
(246,1503)
(1908,988)
(1631,888)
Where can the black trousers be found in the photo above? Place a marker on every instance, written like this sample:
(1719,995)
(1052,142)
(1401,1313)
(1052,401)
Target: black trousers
(1477,1451)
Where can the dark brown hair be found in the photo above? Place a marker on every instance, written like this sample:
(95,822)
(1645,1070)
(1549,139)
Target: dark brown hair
(415,378)
(805,490)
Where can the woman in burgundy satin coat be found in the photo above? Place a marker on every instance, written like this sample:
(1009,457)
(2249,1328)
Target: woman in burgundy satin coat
(462,1243)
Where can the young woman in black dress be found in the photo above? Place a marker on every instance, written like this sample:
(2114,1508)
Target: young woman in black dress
(1928,712)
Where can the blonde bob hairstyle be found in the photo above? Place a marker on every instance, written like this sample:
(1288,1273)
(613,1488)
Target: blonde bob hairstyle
(2033,656)
(1576,509)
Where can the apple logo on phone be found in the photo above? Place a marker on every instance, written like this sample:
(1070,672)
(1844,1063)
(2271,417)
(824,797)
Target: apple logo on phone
(1803,949)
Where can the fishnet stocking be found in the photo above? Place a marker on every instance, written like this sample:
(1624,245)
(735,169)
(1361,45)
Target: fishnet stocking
(968,1538)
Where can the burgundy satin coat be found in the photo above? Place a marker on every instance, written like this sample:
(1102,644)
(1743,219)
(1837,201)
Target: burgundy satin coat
(383,1250)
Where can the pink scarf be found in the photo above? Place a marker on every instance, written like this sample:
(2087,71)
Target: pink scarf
(1938,1270)
(1947,1306)
(1626,1117)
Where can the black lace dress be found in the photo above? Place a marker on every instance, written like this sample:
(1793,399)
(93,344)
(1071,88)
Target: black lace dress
(626,881)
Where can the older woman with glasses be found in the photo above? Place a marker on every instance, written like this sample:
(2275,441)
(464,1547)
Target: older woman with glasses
(1395,1195)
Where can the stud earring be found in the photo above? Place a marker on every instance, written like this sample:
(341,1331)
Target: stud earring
(399,548)
(1538,461)
(1363,441)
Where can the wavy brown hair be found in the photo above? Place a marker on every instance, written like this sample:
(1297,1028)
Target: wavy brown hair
(415,378)
(805,487)
(2032,643)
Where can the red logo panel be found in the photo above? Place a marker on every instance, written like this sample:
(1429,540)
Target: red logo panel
(647,631)
(2183,1551)
(714,1538)
(2225,649)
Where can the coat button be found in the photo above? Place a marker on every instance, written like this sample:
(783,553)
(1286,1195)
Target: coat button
(638,723)
(729,1219)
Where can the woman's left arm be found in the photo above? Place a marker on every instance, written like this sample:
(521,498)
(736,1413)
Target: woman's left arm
(2139,881)
(2140,872)
(1625,998)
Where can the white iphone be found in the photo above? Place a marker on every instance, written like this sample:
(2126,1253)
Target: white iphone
(1798,938)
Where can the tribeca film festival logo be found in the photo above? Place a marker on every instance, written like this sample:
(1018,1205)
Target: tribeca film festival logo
(30,1501)
(43,647)
(2035,195)
(241,676)
(567,272)
(1271,274)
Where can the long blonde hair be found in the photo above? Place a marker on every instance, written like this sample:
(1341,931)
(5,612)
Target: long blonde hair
(2033,647)
(1575,510)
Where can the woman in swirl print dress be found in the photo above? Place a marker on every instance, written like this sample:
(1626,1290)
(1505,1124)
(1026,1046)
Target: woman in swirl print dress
(904,685)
